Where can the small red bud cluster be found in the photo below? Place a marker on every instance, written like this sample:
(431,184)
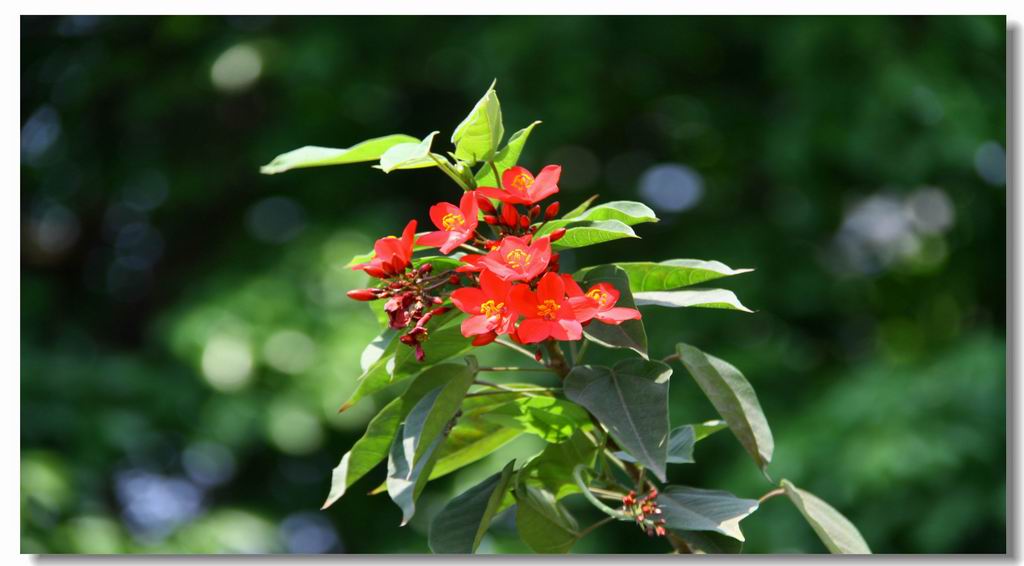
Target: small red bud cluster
(646,512)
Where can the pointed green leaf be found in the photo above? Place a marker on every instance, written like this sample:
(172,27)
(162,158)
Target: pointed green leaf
(478,136)
(552,469)
(680,447)
(631,333)
(733,398)
(542,522)
(583,207)
(703,298)
(315,156)
(406,481)
(708,542)
(377,348)
(631,401)
(432,415)
(412,155)
(507,157)
(693,509)
(628,212)
(707,428)
(459,527)
(647,276)
(550,418)
(835,530)
(373,447)
(583,233)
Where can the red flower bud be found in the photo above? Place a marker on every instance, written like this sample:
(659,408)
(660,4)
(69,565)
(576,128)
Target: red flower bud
(485,204)
(454,279)
(524,221)
(364,294)
(538,355)
(552,211)
(485,339)
(557,234)
(509,216)
(534,211)
(490,219)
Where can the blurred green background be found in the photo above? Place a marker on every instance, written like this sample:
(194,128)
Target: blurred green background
(186,339)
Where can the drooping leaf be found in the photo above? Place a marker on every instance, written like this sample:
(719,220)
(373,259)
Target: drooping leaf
(375,350)
(680,447)
(478,136)
(702,298)
(628,212)
(694,509)
(315,156)
(411,155)
(552,469)
(582,233)
(542,522)
(733,398)
(444,343)
(373,446)
(631,401)
(431,416)
(836,531)
(645,276)
(579,209)
(708,542)
(507,157)
(459,527)
(550,418)
(631,333)
(707,428)
(406,481)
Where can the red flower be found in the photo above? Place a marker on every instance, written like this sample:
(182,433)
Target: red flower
(488,306)
(472,264)
(455,224)
(520,186)
(597,303)
(391,255)
(547,312)
(516,259)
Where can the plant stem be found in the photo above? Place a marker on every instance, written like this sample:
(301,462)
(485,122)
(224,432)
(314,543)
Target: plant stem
(473,249)
(556,358)
(443,166)
(614,513)
(596,525)
(670,358)
(497,177)
(771,494)
(517,348)
(514,368)
(579,355)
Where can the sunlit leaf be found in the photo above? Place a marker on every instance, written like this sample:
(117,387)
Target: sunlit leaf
(542,522)
(552,468)
(550,418)
(703,298)
(647,276)
(412,155)
(693,509)
(629,334)
(507,157)
(583,233)
(478,136)
(462,523)
(626,211)
(835,530)
(315,156)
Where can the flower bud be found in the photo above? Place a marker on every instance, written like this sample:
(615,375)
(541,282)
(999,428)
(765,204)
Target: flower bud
(557,234)
(552,211)
(485,339)
(364,294)
(490,219)
(454,280)
(524,221)
(509,216)
(485,204)
(534,211)
(538,355)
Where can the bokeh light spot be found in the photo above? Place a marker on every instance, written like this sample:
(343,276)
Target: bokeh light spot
(236,69)
(289,351)
(671,187)
(227,363)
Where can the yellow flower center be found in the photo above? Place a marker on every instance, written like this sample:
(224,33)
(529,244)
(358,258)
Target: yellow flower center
(452,220)
(521,182)
(598,295)
(490,308)
(547,309)
(517,258)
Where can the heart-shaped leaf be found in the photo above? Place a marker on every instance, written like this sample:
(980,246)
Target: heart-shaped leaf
(552,469)
(647,276)
(680,446)
(735,400)
(631,401)
(507,157)
(315,156)
(550,418)
(629,334)
(478,136)
(459,527)
(693,509)
(702,298)
(835,530)
(542,522)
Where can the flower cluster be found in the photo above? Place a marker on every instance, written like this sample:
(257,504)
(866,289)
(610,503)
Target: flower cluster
(646,512)
(509,282)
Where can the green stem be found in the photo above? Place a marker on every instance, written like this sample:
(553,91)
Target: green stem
(497,176)
(443,166)
(473,249)
(514,368)
(614,513)
(670,358)
(771,494)
(579,355)
(517,348)
(593,527)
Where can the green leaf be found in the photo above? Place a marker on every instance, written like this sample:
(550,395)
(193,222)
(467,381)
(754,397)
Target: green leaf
(445,343)
(377,348)
(459,527)
(583,233)
(703,298)
(707,542)
(550,418)
(680,447)
(412,155)
(433,413)
(626,211)
(733,398)
(672,274)
(373,446)
(631,333)
(707,428)
(478,136)
(507,157)
(440,262)
(631,401)
(542,522)
(579,209)
(835,530)
(405,481)
(315,156)
(552,469)
(694,509)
